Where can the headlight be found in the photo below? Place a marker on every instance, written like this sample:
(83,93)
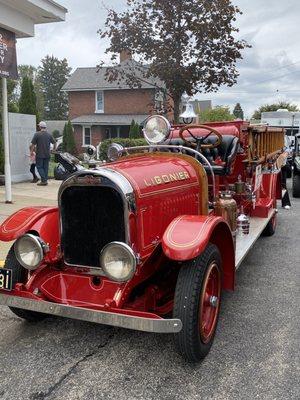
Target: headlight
(114,151)
(156,129)
(118,261)
(29,251)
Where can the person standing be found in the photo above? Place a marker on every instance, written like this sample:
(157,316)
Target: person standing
(35,179)
(40,144)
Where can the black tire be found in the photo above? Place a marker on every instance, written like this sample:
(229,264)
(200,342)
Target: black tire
(288,171)
(187,304)
(19,275)
(296,186)
(271,227)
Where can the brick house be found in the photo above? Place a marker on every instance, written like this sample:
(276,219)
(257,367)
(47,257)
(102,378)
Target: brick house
(99,109)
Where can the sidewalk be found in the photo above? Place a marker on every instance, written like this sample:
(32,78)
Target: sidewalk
(26,195)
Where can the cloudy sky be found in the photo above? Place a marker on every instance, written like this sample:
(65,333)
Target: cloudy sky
(269,71)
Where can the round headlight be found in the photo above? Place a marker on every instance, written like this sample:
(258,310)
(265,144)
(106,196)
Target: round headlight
(156,129)
(29,251)
(118,261)
(114,151)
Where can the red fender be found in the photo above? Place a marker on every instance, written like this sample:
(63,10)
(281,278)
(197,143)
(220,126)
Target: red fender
(187,237)
(42,220)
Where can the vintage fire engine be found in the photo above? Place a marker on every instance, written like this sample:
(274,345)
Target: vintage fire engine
(149,240)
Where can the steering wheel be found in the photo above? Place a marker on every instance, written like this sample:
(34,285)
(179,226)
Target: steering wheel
(199,140)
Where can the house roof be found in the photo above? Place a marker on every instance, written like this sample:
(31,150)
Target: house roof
(109,120)
(93,78)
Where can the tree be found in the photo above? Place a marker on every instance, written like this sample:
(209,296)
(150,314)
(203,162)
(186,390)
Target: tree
(274,107)
(52,75)
(68,143)
(27,102)
(238,112)
(30,71)
(218,113)
(134,131)
(189,45)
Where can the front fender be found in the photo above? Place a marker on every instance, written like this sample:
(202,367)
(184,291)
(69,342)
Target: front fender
(41,220)
(187,236)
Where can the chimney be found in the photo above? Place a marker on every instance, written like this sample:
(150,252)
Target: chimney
(125,55)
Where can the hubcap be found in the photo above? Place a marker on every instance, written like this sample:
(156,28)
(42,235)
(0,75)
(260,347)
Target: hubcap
(214,301)
(209,302)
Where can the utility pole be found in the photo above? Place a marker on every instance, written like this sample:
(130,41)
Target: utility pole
(7,171)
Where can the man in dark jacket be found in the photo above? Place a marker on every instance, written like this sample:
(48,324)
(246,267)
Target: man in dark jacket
(41,143)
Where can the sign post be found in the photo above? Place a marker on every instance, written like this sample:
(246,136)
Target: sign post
(8,69)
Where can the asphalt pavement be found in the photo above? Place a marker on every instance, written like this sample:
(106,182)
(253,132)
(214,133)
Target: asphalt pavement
(255,354)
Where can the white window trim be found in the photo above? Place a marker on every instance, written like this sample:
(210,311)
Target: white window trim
(83,135)
(96,102)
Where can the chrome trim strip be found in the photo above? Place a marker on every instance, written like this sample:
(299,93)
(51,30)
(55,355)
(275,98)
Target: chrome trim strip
(120,183)
(98,317)
(180,148)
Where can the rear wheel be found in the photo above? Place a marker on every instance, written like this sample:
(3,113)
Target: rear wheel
(197,303)
(271,226)
(296,185)
(19,275)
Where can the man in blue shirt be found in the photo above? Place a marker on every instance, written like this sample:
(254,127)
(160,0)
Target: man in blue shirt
(41,143)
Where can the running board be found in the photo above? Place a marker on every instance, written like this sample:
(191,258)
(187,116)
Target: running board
(246,242)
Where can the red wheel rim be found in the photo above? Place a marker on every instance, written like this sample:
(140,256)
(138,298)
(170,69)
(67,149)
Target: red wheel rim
(209,302)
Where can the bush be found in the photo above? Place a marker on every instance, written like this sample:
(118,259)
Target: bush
(134,131)
(56,134)
(68,143)
(125,142)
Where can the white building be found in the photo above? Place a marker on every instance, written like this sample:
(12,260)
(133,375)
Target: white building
(282,118)
(20,16)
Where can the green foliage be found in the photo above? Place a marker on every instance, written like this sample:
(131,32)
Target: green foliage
(238,112)
(68,143)
(134,131)
(274,107)
(29,71)
(1,154)
(125,142)
(27,102)
(218,113)
(52,75)
(56,134)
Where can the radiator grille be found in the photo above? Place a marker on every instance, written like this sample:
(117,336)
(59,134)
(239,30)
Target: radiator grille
(91,217)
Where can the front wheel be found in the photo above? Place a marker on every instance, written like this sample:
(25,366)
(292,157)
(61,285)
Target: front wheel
(197,303)
(20,275)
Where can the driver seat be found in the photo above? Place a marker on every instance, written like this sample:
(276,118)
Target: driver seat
(221,157)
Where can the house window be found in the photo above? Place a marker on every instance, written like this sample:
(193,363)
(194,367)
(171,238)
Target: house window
(107,133)
(100,101)
(87,136)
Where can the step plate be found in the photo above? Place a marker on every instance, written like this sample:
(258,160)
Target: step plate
(246,242)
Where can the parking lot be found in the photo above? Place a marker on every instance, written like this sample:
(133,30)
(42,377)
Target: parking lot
(255,354)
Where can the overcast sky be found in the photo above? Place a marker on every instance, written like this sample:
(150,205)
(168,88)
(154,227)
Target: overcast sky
(269,72)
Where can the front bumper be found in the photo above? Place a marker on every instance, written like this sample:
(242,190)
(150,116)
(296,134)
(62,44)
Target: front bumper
(98,317)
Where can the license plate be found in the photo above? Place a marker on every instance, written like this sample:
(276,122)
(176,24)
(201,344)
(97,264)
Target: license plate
(5,279)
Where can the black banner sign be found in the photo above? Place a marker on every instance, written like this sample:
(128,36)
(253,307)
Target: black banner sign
(8,55)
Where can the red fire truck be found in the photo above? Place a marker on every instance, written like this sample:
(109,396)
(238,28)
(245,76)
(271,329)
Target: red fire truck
(149,240)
